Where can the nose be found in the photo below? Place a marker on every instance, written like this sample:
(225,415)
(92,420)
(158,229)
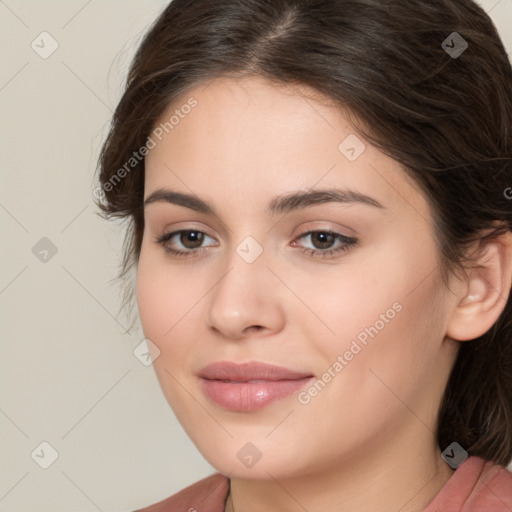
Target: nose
(246,300)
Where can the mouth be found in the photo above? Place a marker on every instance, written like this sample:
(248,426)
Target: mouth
(250,386)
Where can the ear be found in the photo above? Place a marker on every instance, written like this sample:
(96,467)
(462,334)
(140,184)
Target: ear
(482,296)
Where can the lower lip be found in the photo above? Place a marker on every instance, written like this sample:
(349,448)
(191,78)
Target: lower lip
(250,395)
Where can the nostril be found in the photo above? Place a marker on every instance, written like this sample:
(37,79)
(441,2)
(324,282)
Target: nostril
(254,328)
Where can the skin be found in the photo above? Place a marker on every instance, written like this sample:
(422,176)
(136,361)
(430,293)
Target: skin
(367,440)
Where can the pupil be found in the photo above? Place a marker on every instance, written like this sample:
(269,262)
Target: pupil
(191,236)
(325,238)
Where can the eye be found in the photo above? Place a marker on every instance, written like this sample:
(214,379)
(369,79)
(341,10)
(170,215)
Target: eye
(325,240)
(191,243)
(191,240)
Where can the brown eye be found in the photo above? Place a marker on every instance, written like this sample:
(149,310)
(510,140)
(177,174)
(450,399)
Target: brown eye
(322,239)
(189,243)
(183,243)
(191,239)
(324,243)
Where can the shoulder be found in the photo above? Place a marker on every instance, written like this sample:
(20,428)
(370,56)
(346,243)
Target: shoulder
(206,495)
(493,490)
(476,485)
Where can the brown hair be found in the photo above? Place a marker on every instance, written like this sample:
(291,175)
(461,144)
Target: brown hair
(447,118)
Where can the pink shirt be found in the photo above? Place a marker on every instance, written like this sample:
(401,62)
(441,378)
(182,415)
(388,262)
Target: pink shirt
(476,486)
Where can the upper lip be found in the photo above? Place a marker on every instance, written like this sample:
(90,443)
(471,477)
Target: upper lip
(226,370)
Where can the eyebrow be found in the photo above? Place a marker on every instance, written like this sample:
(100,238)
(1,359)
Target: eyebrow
(280,204)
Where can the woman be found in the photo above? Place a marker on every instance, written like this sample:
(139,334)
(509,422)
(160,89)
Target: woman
(320,220)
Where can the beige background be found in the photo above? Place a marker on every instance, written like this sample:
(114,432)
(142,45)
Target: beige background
(68,373)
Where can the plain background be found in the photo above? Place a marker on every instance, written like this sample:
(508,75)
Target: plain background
(68,373)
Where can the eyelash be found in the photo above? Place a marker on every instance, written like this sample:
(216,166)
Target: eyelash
(348,243)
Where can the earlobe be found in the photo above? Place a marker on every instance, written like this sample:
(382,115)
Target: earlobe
(485,293)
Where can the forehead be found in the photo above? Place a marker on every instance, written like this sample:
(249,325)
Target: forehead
(253,138)
(256,110)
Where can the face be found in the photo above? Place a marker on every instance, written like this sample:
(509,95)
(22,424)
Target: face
(343,291)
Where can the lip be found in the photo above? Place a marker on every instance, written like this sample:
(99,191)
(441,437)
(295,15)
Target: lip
(250,386)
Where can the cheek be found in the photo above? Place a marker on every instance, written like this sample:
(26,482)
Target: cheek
(347,305)
(157,299)
(163,304)
(385,313)
(152,301)
(169,305)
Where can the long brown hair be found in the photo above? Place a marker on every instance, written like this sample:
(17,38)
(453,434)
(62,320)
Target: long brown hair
(411,87)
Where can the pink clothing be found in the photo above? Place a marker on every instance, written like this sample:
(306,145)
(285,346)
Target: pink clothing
(476,486)
(206,495)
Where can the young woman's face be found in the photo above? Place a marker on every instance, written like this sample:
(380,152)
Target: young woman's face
(343,293)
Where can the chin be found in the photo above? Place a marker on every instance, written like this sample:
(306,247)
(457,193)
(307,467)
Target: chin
(252,461)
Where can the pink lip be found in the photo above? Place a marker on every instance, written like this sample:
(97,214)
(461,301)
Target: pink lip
(249,386)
